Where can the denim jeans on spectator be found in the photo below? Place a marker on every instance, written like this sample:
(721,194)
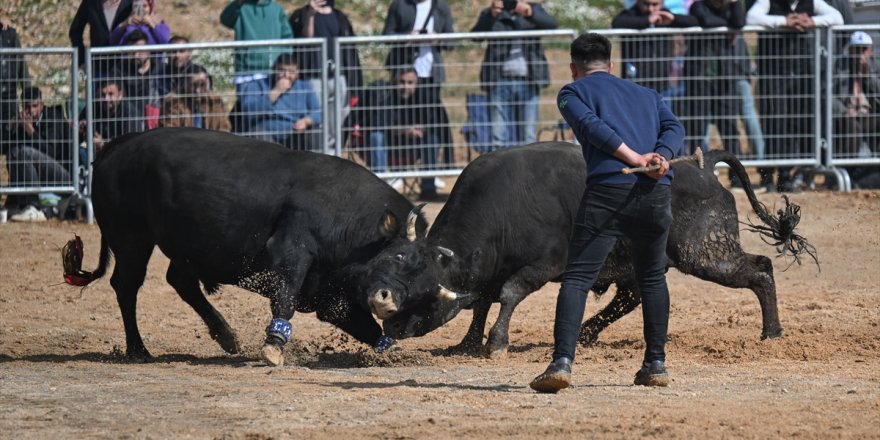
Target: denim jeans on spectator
(750,119)
(378,153)
(427,151)
(31,167)
(641,213)
(513,102)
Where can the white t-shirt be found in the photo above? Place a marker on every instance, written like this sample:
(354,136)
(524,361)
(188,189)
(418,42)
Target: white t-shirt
(425,59)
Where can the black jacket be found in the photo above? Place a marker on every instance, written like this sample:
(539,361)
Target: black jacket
(51,134)
(13,77)
(498,50)
(402,17)
(91,13)
(350,62)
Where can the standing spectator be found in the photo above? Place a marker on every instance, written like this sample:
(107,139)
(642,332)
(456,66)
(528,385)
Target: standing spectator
(282,108)
(114,115)
(321,19)
(255,20)
(13,77)
(101,16)
(139,73)
(143,18)
(719,87)
(514,70)
(194,104)
(618,124)
(176,67)
(785,85)
(649,60)
(405,126)
(42,155)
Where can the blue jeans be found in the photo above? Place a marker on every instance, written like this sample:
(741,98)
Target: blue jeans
(513,112)
(750,118)
(641,213)
(378,152)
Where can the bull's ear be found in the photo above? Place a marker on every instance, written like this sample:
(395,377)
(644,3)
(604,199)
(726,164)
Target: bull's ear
(389,225)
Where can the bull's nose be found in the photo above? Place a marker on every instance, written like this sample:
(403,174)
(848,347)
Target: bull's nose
(382,303)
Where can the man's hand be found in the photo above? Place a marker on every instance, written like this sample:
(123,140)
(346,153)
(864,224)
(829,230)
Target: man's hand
(656,159)
(27,123)
(282,85)
(99,141)
(661,18)
(302,124)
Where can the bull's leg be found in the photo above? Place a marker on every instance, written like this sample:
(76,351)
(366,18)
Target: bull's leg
(187,286)
(515,289)
(291,260)
(352,319)
(624,301)
(128,277)
(473,339)
(749,271)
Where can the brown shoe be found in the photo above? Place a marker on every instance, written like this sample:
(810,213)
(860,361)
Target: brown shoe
(557,376)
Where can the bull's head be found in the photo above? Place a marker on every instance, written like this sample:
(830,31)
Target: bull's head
(411,274)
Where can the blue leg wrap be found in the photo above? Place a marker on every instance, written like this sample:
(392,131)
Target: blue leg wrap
(280,328)
(383,343)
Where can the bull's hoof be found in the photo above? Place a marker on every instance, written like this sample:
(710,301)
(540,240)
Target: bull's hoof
(273,355)
(229,343)
(496,353)
(773,334)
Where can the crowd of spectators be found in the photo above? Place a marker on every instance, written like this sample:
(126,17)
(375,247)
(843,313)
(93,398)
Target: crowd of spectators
(708,80)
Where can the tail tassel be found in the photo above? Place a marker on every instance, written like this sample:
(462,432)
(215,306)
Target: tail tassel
(71,258)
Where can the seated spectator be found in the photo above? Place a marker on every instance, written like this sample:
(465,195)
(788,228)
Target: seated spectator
(406,125)
(143,18)
(649,60)
(282,108)
(113,114)
(194,104)
(139,73)
(176,67)
(856,108)
(41,156)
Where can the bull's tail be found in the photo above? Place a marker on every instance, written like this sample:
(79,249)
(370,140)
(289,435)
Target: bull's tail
(71,258)
(778,230)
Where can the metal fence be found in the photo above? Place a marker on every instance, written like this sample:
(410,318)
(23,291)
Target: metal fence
(773,98)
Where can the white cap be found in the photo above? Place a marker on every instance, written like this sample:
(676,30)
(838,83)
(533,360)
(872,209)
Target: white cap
(859,38)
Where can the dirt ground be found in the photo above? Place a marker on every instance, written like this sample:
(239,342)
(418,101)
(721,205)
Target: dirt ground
(62,376)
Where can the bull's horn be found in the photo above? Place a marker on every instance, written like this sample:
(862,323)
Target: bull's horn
(446,251)
(448,295)
(411,220)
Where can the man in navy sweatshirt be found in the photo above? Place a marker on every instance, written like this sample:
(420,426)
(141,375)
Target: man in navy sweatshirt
(619,124)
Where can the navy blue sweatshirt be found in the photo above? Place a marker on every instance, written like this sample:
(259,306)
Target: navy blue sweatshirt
(605,111)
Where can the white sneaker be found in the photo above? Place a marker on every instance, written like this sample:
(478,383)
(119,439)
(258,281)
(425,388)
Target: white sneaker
(439,183)
(31,214)
(396,183)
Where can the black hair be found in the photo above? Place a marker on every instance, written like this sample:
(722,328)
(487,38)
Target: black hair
(179,37)
(135,36)
(287,59)
(31,94)
(589,49)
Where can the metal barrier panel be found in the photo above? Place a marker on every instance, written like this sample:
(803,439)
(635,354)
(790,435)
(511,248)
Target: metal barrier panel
(411,120)
(853,95)
(38,140)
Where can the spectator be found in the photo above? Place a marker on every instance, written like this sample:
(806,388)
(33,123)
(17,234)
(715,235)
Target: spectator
(409,124)
(413,17)
(719,85)
(13,77)
(255,20)
(176,67)
(101,16)
(321,19)
(283,109)
(144,19)
(194,104)
(114,115)
(514,71)
(785,86)
(856,106)
(139,73)
(649,61)
(41,156)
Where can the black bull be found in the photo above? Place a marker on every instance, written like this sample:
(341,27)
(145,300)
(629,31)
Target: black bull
(504,233)
(230,210)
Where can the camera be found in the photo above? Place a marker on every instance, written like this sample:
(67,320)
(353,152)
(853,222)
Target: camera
(138,10)
(510,5)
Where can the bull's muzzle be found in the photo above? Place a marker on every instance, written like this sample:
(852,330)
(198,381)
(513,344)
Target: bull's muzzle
(382,303)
